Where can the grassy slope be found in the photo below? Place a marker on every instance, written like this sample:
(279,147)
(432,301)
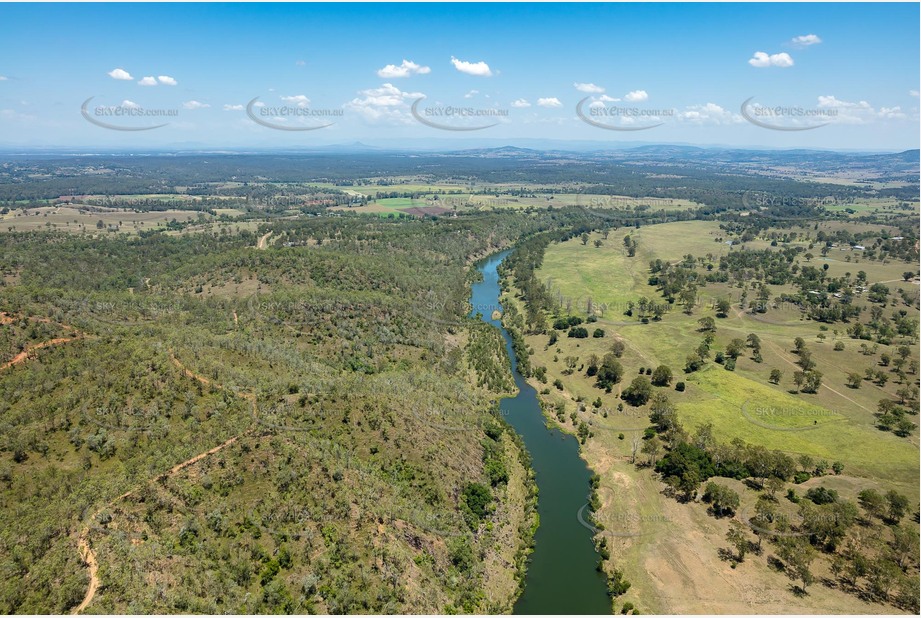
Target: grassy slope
(670,554)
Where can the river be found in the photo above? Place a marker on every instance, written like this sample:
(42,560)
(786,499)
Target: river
(562,576)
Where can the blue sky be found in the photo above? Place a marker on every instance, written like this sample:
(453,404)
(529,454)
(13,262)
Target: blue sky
(521,67)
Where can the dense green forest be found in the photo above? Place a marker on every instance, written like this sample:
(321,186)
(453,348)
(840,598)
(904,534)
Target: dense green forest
(355,458)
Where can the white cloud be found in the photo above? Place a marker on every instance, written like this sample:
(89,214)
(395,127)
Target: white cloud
(891,112)
(148,81)
(3,78)
(407,68)
(520,103)
(709,113)
(590,88)
(166,79)
(195,105)
(838,111)
(606,99)
(121,74)
(828,101)
(471,94)
(300,63)
(761,60)
(549,102)
(913,93)
(806,40)
(636,95)
(233,108)
(480,69)
(130,104)
(387,104)
(299,99)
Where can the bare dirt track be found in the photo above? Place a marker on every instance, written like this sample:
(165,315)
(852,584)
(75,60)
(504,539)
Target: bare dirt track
(28,352)
(83,542)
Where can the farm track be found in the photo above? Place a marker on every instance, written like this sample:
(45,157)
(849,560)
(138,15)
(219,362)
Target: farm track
(784,357)
(29,351)
(83,542)
(5,318)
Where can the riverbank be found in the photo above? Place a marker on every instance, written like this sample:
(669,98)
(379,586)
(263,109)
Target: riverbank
(561,574)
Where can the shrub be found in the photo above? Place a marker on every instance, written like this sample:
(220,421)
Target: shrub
(822,495)
(476,499)
(662,376)
(639,391)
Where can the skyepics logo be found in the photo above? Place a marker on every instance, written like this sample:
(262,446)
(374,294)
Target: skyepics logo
(295,109)
(126,116)
(132,419)
(786,418)
(130,312)
(606,513)
(625,418)
(452,118)
(762,199)
(786,117)
(619,117)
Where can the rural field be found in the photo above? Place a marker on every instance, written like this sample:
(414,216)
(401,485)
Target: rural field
(666,548)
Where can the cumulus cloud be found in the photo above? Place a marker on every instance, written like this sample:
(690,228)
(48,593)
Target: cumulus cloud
(233,108)
(407,68)
(911,93)
(3,78)
(520,103)
(130,104)
(166,79)
(148,81)
(892,112)
(121,74)
(385,104)
(806,40)
(636,95)
(195,105)
(839,111)
(588,87)
(709,113)
(762,59)
(606,99)
(471,94)
(549,102)
(299,99)
(301,63)
(480,69)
